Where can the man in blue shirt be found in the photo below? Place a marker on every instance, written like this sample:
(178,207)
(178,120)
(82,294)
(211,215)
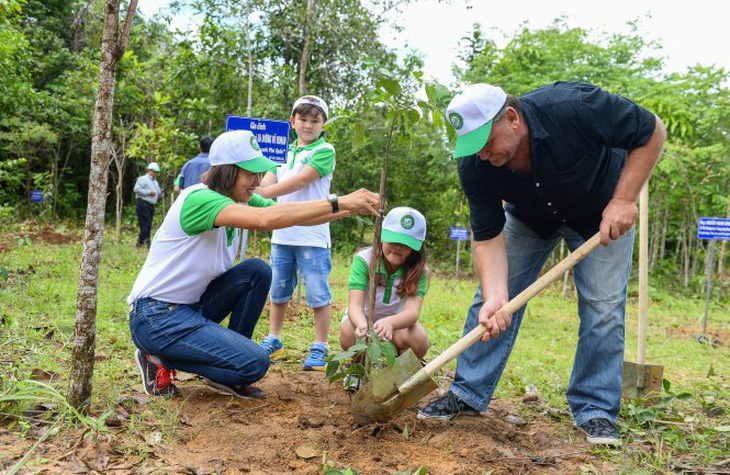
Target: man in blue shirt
(195,167)
(569,161)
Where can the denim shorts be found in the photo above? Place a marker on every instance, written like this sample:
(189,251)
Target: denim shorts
(314,263)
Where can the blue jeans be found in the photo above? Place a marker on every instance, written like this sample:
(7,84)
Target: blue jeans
(313,262)
(601,279)
(190,338)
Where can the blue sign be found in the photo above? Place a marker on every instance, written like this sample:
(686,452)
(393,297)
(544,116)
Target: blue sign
(36,196)
(713,228)
(272,135)
(459,234)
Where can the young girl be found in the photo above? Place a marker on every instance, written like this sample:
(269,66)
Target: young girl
(402,284)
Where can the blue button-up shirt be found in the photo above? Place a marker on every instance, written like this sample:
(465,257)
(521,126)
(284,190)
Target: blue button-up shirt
(579,138)
(193,169)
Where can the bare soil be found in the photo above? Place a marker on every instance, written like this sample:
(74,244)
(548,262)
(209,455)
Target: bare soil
(303,426)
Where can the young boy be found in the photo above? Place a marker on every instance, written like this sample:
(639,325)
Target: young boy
(306,176)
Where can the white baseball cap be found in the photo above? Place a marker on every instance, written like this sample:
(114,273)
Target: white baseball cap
(239,147)
(154,167)
(315,101)
(471,112)
(404,225)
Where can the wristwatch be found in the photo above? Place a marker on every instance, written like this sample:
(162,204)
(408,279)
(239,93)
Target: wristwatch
(332,198)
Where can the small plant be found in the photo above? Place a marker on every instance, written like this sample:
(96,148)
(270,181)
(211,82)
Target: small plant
(381,354)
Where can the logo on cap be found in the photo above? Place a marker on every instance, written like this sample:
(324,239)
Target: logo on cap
(407,221)
(456,120)
(255,144)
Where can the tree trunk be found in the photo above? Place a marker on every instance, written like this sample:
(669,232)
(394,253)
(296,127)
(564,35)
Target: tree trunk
(304,57)
(82,358)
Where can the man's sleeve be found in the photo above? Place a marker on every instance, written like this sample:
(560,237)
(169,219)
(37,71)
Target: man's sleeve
(200,209)
(323,161)
(258,201)
(182,175)
(139,186)
(614,120)
(486,211)
(358,274)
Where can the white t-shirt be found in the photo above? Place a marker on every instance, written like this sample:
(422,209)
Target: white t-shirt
(321,156)
(188,252)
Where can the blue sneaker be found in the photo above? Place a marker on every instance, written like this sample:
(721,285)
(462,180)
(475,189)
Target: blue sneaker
(273,346)
(315,361)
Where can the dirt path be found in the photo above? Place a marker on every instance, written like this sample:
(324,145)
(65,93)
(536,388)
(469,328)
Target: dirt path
(304,414)
(303,426)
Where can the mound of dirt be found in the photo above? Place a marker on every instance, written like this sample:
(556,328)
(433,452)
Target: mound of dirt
(304,426)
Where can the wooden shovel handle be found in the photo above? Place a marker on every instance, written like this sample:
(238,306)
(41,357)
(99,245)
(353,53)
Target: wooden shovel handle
(510,307)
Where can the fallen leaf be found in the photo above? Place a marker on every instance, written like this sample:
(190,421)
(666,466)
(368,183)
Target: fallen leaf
(43,375)
(516,420)
(306,452)
(153,438)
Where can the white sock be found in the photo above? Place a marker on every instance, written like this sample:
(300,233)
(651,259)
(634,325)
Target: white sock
(326,345)
(274,336)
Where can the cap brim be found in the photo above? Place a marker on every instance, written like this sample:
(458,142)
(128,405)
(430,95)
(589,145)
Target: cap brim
(387,235)
(258,165)
(471,143)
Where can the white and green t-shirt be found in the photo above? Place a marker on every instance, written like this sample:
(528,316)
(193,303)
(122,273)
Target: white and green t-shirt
(321,156)
(387,300)
(188,251)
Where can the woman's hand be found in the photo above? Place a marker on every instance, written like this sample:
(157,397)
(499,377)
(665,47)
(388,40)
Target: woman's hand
(496,322)
(361,201)
(383,328)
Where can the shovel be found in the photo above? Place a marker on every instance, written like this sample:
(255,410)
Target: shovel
(406,382)
(640,379)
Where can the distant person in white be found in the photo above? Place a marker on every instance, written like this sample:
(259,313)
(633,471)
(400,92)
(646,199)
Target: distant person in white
(148,192)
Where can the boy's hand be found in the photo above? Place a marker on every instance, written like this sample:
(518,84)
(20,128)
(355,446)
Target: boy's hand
(383,328)
(362,330)
(361,201)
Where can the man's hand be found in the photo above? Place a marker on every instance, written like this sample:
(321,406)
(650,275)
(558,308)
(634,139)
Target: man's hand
(618,217)
(152,193)
(383,328)
(361,201)
(495,322)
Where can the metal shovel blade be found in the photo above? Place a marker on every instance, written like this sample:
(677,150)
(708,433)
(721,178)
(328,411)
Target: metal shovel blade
(379,400)
(641,380)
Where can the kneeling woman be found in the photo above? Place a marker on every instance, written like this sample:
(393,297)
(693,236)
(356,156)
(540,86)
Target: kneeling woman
(187,285)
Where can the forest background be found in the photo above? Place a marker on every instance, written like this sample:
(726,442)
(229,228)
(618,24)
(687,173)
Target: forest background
(174,86)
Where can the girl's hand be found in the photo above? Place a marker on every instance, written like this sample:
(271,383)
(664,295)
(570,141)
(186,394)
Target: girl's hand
(361,330)
(383,328)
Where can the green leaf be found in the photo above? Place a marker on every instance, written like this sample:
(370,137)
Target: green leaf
(343,355)
(390,85)
(722,428)
(374,351)
(390,353)
(331,368)
(666,384)
(357,347)
(431,93)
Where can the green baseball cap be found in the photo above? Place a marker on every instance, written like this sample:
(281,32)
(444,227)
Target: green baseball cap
(471,113)
(239,147)
(404,225)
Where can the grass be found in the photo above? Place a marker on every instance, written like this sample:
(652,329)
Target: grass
(38,304)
